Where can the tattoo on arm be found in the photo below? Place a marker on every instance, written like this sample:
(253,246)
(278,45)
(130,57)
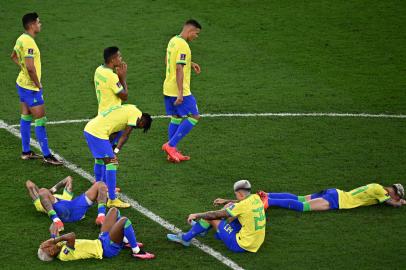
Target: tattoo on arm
(66,182)
(46,203)
(213,215)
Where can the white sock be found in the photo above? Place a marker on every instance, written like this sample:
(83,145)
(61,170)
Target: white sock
(136,249)
(125,240)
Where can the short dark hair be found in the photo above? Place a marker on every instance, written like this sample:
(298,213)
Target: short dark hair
(29,18)
(194,23)
(109,52)
(146,119)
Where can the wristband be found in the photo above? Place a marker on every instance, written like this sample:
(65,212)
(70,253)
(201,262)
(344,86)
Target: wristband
(116,150)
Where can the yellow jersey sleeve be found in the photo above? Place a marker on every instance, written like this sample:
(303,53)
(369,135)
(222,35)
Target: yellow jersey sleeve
(182,53)
(114,83)
(133,115)
(381,194)
(235,209)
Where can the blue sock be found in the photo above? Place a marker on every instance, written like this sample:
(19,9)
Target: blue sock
(25,130)
(290,204)
(41,134)
(197,228)
(173,126)
(99,168)
(184,128)
(283,196)
(130,234)
(104,174)
(111,172)
(101,208)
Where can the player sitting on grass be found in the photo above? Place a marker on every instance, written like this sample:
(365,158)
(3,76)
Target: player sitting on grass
(240,225)
(97,133)
(61,208)
(337,199)
(115,232)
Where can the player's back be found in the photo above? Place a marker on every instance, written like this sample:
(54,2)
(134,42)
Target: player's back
(84,249)
(107,85)
(26,47)
(362,196)
(113,120)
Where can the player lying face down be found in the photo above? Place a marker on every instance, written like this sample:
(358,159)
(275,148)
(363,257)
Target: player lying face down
(337,199)
(240,224)
(63,207)
(116,233)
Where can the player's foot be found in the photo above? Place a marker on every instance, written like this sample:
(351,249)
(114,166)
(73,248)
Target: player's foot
(30,155)
(140,245)
(182,157)
(52,160)
(178,239)
(171,151)
(100,220)
(117,203)
(202,234)
(143,255)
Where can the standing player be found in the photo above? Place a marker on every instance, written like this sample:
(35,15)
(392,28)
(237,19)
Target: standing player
(111,90)
(179,101)
(114,234)
(240,225)
(97,133)
(27,56)
(330,199)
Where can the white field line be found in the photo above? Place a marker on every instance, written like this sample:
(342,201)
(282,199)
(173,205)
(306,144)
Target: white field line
(328,114)
(134,204)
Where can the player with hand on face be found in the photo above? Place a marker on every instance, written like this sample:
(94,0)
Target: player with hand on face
(179,102)
(27,56)
(240,225)
(116,233)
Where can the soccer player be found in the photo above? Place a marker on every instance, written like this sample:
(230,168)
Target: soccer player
(179,101)
(63,208)
(97,133)
(240,225)
(111,89)
(116,231)
(27,56)
(337,199)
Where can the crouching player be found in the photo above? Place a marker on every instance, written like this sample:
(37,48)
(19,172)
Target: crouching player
(63,208)
(240,225)
(337,199)
(116,232)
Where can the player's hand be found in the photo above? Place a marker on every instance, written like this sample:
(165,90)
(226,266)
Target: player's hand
(53,230)
(178,101)
(114,160)
(58,225)
(122,70)
(403,201)
(40,86)
(219,201)
(192,217)
(196,68)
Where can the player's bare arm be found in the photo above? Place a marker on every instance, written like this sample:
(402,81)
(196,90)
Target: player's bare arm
(196,68)
(395,203)
(211,215)
(220,201)
(14,58)
(29,63)
(123,138)
(33,190)
(70,239)
(66,182)
(179,82)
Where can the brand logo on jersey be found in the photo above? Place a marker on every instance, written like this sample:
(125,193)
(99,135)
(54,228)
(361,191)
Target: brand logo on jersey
(118,85)
(182,56)
(231,207)
(66,251)
(30,51)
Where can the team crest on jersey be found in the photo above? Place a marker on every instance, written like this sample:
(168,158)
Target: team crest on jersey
(231,207)
(66,251)
(118,84)
(182,56)
(30,51)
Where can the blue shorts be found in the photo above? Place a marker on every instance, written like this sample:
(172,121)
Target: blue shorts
(110,249)
(227,232)
(100,148)
(329,195)
(30,97)
(188,106)
(72,211)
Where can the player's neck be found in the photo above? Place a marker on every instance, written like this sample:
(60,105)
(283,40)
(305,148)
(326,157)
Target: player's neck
(183,35)
(110,65)
(30,33)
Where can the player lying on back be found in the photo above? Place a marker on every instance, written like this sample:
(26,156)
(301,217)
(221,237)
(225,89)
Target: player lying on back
(63,208)
(240,225)
(116,232)
(97,133)
(337,199)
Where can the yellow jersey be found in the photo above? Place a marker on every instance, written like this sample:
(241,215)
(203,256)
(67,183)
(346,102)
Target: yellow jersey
(177,52)
(251,215)
(113,120)
(107,85)
(26,47)
(362,196)
(84,249)
(66,195)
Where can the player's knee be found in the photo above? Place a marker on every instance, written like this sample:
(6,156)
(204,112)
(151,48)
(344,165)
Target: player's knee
(113,210)
(29,184)
(196,117)
(43,192)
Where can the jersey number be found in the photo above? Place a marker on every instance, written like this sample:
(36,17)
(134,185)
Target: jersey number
(260,218)
(168,61)
(98,92)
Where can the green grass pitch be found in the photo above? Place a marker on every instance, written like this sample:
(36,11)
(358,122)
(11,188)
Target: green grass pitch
(256,56)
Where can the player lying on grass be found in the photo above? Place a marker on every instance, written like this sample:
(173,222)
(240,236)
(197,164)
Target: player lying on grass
(334,198)
(240,225)
(116,232)
(97,133)
(63,208)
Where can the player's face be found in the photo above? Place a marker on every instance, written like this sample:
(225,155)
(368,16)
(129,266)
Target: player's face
(118,59)
(36,26)
(193,33)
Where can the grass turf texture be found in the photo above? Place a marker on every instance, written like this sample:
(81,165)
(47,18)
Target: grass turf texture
(257,56)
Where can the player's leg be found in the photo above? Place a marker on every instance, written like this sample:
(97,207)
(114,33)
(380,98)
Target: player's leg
(171,110)
(98,192)
(37,109)
(33,189)
(112,216)
(290,204)
(47,201)
(25,131)
(227,232)
(99,169)
(286,196)
(198,227)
